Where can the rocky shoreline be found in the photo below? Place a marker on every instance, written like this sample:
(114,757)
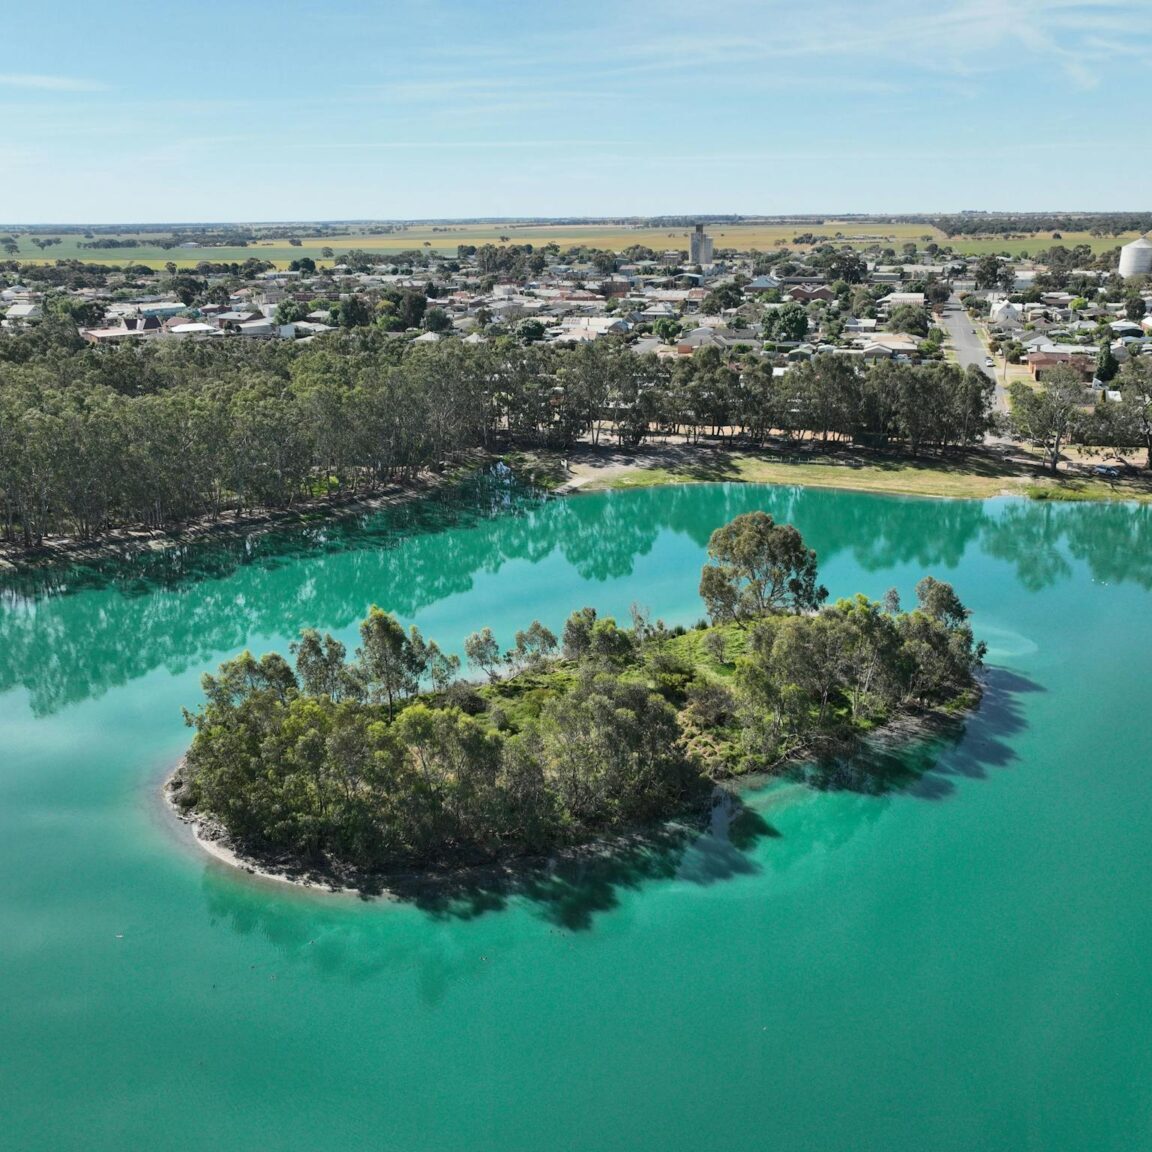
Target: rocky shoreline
(833,773)
(427,885)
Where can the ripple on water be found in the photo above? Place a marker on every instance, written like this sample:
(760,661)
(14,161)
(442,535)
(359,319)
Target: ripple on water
(1004,643)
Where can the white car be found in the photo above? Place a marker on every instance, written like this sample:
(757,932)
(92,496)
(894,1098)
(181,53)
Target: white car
(989,362)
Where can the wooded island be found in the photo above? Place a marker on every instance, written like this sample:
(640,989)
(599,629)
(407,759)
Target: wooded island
(389,761)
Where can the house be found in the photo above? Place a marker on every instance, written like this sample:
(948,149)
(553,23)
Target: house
(111,335)
(903,299)
(190,328)
(162,308)
(699,338)
(897,343)
(229,319)
(1040,363)
(145,325)
(806,292)
(259,326)
(23,314)
(590,327)
(650,345)
(1003,311)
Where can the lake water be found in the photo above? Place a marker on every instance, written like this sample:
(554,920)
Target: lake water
(961,962)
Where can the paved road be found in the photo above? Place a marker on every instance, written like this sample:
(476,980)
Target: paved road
(969,348)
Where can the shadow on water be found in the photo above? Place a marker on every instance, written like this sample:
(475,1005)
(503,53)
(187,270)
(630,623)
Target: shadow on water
(926,760)
(141,569)
(339,938)
(570,890)
(566,891)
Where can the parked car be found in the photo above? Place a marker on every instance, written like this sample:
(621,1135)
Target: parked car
(989,362)
(1106,470)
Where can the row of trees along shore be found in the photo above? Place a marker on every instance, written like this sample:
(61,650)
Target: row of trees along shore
(388,761)
(153,436)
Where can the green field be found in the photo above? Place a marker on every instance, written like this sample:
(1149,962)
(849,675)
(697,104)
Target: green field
(743,237)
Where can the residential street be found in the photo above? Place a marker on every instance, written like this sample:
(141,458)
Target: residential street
(969,348)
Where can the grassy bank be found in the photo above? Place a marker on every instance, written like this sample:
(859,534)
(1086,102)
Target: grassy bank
(974,475)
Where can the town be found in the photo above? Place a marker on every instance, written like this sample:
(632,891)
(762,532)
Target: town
(830,294)
(890,334)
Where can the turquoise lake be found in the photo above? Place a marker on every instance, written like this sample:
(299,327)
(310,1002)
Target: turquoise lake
(960,962)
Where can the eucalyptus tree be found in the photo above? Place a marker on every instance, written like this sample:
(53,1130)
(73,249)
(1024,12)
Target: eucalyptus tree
(758,566)
(385,659)
(1128,423)
(1050,414)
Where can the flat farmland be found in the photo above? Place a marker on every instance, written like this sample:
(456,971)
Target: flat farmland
(445,238)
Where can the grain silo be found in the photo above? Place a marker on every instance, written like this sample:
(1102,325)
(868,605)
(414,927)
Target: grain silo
(1136,258)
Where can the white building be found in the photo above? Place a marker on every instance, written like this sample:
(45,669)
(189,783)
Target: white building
(23,313)
(1003,311)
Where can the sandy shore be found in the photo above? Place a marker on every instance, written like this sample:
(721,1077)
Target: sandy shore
(211,839)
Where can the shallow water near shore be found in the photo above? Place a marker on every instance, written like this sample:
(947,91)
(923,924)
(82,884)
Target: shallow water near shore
(955,957)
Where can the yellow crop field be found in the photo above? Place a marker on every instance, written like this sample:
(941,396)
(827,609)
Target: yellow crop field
(765,237)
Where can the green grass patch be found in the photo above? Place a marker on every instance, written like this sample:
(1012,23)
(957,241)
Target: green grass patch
(541,469)
(517,701)
(970,476)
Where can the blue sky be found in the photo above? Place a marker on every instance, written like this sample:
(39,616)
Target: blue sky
(335,109)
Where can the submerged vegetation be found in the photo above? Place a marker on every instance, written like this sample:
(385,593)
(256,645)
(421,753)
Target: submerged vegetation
(388,760)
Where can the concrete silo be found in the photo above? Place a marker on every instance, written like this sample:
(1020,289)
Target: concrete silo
(1136,258)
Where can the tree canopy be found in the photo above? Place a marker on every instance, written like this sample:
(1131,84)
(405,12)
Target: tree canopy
(758,566)
(1050,414)
(156,434)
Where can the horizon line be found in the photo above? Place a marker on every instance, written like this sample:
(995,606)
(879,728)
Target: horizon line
(570,219)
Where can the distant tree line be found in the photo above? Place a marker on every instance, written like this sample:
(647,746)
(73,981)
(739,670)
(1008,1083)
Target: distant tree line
(74,274)
(1023,223)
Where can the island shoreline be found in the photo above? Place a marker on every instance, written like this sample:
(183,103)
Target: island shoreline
(210,839)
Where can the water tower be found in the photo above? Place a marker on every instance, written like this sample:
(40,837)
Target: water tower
(1136,258)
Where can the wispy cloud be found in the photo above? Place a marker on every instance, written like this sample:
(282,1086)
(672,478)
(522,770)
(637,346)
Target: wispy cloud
(41,83)
(962,37)
(426,145)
